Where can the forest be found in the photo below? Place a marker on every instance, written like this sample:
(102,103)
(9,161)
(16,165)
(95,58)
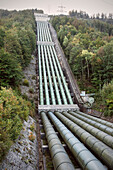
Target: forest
(88,47)
(17,44)
(108,18)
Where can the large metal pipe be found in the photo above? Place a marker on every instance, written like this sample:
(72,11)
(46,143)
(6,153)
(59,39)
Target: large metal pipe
(85,158)
(40,78)
(94,123)
(44,35)
(48,33)
(38,31)
(58,77)
(54,78)
(103,151)
(63,78)
(104,137)
(43,31)
(59,156)
(96,119)
(45,78)
(50,80)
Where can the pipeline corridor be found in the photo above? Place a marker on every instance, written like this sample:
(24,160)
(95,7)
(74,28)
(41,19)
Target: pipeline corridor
(53,88)
(88,139)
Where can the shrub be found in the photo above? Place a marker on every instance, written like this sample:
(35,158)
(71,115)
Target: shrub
(107,90)
(25,96)
(31,90)
(26,82)
(32,127)
(31,137)
(107,97)
(5,143)
(10,70)
(34,77)
(13,110)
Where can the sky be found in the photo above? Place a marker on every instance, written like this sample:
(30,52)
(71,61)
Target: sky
(51,6)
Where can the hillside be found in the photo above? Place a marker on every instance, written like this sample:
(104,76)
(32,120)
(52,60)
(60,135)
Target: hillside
(17,44)
(89,52)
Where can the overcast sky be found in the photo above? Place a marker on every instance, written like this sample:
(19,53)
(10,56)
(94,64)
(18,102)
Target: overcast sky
(51,6)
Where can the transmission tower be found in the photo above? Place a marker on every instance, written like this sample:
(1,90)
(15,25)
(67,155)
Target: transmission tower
(61,9)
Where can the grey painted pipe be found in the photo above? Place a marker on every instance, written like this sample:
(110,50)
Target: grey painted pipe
(59,79)
(59,156)
(50,80)
(41,38)
(47,34)
(43,31)
(40,78)
(85,158)
(103,151)
(62,76)
(96,119)
(54,78)
(107,139)
(45,78)
(38,31)
(42,34)
(94,123)
(50,38)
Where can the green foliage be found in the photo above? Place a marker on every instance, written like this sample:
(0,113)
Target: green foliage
(65,42)
(5,143)
(32,127)
(13,110)
(31,90)
(26,82)
(106,99)
(101,22)
(10,69)
(17,43)
(88,46)
(33,77)
(25,96)
(107,90)
(2,35)
(101,26)
(80,14)
(89,52)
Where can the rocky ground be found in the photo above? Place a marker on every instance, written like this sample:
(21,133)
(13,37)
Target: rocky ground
(29,89)
(23,155)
